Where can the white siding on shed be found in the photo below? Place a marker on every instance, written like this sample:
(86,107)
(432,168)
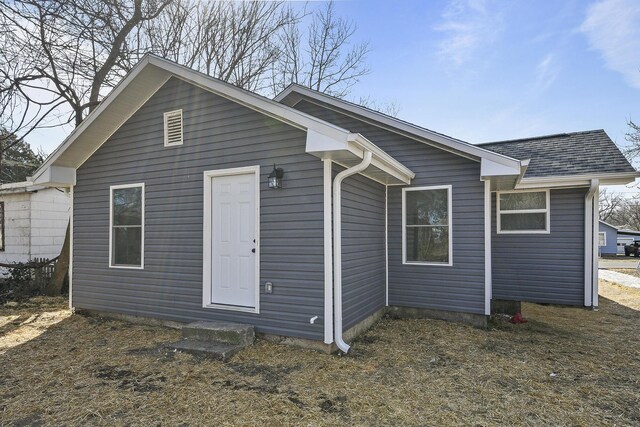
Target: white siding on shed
(35,222)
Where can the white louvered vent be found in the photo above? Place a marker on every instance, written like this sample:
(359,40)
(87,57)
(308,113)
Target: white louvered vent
(173,128)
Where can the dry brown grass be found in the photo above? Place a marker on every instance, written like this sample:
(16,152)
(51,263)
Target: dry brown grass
(567,366)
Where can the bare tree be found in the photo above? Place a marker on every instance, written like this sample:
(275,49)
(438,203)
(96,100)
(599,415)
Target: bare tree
(237,42)
(58,56)
(325,60)
(633,136)
(610,204)
(389,108)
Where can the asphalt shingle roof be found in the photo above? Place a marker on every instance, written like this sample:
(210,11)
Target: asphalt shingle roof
(564,154)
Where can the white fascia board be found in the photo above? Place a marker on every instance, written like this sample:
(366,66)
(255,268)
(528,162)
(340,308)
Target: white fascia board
(358,145)
(489,168)
(251,100)
(318,142)
(91,117)
(407,128)
(578,180)
(56,176)
(167,69)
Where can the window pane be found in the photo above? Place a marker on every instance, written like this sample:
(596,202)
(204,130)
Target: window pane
(529,221)
(428,207)
(518,201)
(428,244)
(127,206)
(127,245)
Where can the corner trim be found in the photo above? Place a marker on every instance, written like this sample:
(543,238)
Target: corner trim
(328,252)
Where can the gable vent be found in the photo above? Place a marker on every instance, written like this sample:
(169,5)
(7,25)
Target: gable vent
(173,128)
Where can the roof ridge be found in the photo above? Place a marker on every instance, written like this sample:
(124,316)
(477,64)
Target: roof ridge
(533,138)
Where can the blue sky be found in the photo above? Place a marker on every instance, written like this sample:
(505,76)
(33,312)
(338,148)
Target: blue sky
(492,70)
(483,70)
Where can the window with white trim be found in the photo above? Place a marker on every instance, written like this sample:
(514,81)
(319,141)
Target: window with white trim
(173,128)
(602,238)
(523,212)
(426,228)
(127,226)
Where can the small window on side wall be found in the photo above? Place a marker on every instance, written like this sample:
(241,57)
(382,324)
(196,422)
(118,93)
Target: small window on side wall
(426,225)
(126,236)
(173,128)
(523,212)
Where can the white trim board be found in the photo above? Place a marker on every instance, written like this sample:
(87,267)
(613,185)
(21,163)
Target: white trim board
(449,189)
(118,187)
(71,247)
(410,130)
(328,251)
(488,278)
(207,241)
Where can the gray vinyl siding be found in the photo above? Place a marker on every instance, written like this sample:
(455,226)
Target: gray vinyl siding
(363,248)
(218,134)
(545,268)
(611,248)
(452,288)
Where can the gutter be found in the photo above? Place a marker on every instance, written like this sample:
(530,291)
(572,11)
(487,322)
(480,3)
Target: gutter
(337,247)
(590,263)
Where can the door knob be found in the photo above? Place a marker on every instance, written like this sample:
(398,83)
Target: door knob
(253,250)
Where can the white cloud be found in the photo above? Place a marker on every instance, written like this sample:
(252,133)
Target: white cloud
(613,28)
(468,26)
(546,72)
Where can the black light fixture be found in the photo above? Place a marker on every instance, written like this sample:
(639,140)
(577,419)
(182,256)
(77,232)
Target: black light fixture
(275,177)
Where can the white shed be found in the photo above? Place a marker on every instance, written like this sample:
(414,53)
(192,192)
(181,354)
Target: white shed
(33,221)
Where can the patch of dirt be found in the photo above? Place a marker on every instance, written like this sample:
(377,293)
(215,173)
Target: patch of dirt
(88,371)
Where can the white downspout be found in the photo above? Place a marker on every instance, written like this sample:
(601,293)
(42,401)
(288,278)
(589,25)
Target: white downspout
(589,238)
(337,247)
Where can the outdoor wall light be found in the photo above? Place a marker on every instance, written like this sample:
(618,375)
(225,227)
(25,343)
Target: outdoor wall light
(275,177)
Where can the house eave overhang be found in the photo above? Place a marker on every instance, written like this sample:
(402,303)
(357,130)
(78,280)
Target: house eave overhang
(582,180)
(350,151)
(295,93)
(145,78)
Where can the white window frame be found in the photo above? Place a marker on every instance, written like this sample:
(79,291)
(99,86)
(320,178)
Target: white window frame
(207,237)
(111,264)
(166,130)
(604,240)
(449,224)
(546,211)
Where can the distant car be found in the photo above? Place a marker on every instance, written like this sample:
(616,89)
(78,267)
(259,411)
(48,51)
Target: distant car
(632,249)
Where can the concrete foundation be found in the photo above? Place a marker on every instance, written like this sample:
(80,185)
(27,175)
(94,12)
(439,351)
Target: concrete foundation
(476,320)
(499,306)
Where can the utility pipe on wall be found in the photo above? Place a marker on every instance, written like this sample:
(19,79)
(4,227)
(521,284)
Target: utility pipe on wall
(337,247)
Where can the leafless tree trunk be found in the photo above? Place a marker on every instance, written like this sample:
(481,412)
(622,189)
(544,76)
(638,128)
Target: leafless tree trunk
(57,53)
(58,57)
(610,203)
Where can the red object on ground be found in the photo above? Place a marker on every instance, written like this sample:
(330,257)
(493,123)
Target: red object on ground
(517,319)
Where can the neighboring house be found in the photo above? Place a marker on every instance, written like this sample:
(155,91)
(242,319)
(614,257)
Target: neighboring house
(308,217)
(608,239)
(33,222)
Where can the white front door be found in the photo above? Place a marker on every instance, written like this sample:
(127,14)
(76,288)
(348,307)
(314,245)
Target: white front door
(233,240)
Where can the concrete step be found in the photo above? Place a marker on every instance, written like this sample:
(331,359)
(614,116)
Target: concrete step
(220,333)
(212,350)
